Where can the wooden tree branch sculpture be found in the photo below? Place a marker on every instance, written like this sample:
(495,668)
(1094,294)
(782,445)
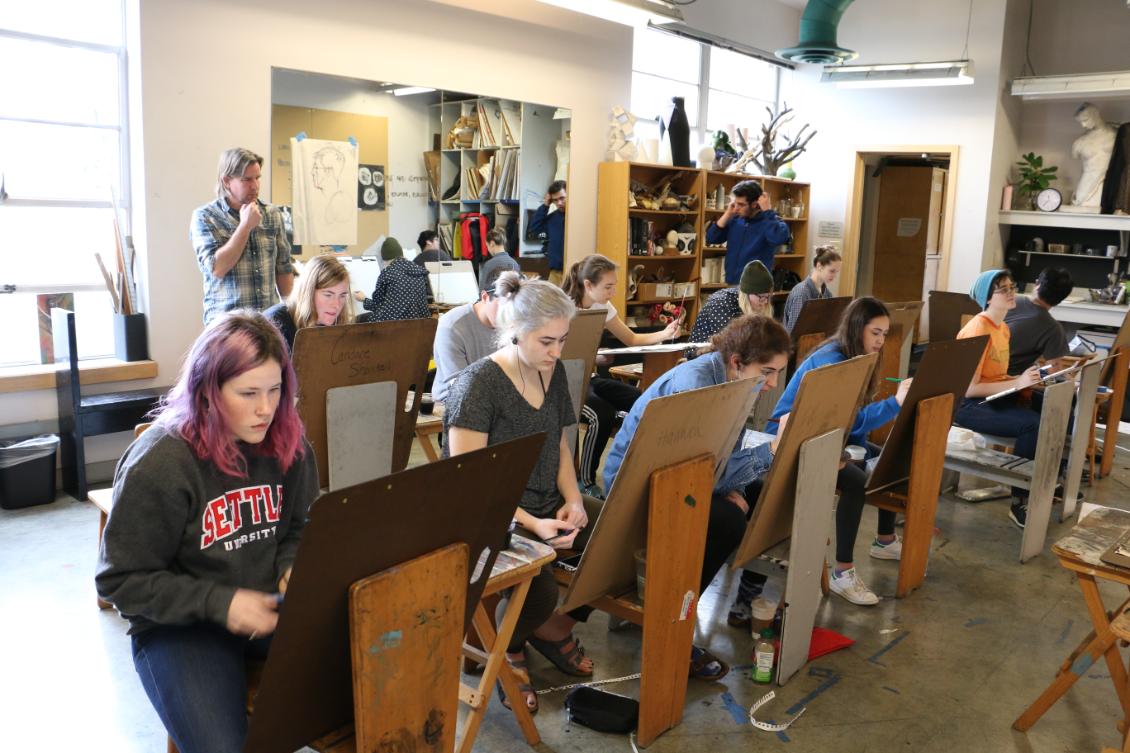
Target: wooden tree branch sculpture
(767,158)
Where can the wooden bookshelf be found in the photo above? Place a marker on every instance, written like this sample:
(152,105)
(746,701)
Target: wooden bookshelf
(614,226)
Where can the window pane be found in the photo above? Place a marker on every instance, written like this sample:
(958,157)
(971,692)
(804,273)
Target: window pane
(725,108)
(666,55)
(651,97)
(54,246)
(59,162)
(741,74)
(94,324)
(69,83)
(98,21)
(21,329)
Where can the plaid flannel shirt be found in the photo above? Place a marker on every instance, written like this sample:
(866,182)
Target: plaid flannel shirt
(251,283)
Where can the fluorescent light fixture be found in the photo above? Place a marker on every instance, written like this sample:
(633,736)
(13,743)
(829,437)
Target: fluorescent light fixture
(1086,85)
(404,91)
(948,73)
(627,12)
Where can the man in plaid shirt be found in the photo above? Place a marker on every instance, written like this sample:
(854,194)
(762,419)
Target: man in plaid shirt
(240,243)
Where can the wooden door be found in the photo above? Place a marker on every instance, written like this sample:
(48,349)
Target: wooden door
(903,231)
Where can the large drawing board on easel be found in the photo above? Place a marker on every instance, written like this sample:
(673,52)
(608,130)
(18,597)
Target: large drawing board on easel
(584,338)
(307,687)
(673,429)
(820,315)
(358,354)
(946,367)
(827,400)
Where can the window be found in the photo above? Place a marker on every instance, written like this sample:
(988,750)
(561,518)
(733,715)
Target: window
(63,156)
(719,86)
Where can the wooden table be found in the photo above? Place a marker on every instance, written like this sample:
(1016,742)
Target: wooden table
(426,427)
(1080,552)
(657,359)
(513,568)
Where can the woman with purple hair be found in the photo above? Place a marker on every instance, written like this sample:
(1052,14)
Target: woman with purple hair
(208,508)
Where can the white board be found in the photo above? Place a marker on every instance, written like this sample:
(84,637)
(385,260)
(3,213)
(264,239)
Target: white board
(324,179)
(360,423)
(453,282)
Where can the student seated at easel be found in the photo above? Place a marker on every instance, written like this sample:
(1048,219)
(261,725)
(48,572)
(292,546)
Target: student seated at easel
(749,346)
(752,295)
(591,283)
(209,504)
(320,299)
(1012,415)
(464,335)
(522,389)
(825,268)
(863,329)
(402,288)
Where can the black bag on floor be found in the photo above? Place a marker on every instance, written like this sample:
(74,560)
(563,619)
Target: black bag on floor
(602,711)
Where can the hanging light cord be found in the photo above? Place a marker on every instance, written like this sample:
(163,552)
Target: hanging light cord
(968,26)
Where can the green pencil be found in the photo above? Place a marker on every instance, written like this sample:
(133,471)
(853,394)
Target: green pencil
(893,379)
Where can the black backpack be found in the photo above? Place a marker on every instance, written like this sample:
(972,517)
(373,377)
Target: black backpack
(785,279)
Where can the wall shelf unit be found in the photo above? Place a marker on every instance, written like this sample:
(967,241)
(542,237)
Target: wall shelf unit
(614,224)
(1095,231)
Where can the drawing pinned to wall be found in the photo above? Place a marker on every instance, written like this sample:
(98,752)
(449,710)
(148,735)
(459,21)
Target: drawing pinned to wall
(371,187)
(322,173)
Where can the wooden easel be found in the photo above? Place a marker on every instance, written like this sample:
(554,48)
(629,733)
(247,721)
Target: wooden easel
(816,320)
(661,497)
(678,512)
(1114,375)
(944,311)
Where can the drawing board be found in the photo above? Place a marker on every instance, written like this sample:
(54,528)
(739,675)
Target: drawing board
(453,282)
(307,686)
(673,429)
(820,315)
(947,366)
(828,399)
(351,354)
(324,183)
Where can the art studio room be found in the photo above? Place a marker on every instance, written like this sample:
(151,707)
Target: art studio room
(505,375)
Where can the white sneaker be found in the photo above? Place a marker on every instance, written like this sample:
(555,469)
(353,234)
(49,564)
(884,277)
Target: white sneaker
(891,551)
(851,587)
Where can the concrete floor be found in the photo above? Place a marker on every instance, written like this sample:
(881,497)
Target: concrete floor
(947,669)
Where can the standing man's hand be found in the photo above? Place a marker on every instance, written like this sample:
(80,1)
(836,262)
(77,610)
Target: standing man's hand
(250,216)
(730,213)
(763,202)
(547,200)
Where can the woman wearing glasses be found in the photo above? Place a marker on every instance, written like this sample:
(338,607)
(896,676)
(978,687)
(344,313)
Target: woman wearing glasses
(1011,416)
(751,296)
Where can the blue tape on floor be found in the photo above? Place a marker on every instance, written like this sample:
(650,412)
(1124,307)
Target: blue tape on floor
(874,659)
(1082,664)
(741,715)
(822,687)
(1066,632)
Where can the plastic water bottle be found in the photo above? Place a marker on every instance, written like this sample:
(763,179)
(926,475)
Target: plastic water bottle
(764,655)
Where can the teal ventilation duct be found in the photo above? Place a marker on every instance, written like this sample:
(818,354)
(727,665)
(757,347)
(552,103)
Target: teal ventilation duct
(817,43)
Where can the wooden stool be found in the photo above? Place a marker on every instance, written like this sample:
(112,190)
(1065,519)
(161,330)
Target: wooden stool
(629,373)
(103,499)
(427,427)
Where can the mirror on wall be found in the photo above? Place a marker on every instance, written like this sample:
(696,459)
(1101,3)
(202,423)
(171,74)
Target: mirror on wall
(424,159)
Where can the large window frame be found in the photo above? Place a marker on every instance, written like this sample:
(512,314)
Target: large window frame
(42,282)
(700,131)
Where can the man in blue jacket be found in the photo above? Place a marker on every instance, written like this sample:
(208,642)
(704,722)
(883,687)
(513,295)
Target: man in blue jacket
(549,222)
(750,229)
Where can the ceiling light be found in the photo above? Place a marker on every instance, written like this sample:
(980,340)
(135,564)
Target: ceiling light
(404,91)
(949,73)
(1090,85)
(628,12)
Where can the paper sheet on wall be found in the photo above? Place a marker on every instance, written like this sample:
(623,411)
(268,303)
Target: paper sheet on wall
(324,178)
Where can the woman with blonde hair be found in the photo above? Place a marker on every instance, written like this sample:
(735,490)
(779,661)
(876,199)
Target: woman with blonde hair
(752,295)
(320,299)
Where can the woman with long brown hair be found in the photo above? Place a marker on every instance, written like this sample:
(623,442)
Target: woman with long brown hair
(863,329)
(320,299)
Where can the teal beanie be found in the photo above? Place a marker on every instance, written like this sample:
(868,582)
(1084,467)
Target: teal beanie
(983,286)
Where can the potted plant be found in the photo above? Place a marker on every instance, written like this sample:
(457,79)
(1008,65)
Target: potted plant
(1034,177)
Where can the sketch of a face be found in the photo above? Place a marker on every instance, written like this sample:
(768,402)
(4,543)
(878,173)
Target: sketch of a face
(326,172)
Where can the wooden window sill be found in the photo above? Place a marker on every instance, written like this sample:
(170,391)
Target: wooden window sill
(91,371)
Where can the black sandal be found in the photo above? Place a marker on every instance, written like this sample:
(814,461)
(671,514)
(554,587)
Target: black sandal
(701,663)
(565,654)
(522,674)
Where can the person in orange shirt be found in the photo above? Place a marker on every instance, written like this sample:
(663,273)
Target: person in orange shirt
(1012,416)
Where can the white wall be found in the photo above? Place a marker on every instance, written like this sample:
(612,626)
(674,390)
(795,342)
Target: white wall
(850,120)
(202,83)
(408,137)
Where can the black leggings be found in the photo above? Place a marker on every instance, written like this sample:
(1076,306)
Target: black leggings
(606,397)
(851,481)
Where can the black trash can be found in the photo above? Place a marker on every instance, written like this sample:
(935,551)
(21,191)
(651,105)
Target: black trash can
(27,472)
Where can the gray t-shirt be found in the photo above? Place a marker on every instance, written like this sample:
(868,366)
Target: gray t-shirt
(482,398)
(1034,334)
(461,339)
(493,267)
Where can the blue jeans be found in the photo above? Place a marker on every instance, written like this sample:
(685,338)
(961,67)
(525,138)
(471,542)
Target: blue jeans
(196,679)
